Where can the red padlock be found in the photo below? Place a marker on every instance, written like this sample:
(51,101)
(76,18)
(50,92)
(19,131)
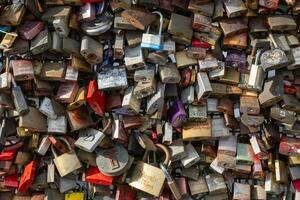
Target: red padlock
(96,98)
(11,181)
(186,77)
(124,192)
(28,176)
(296,184)
(199,43)
(93,175)
(8,154)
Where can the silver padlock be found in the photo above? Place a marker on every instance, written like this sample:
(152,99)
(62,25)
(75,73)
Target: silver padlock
(168,134)
(169,73)
(89,139)
(191,158)
(145,75)
(203,87)
(151,41)
(134,58)
(257,74)
(47,109)
(157,100)
(130,102)
(58,125)
(61,26)
(188,95)
(91,50)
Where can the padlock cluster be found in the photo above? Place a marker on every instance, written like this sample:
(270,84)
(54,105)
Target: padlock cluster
(149,99)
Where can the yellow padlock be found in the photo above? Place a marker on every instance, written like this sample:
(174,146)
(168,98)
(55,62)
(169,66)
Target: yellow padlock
(74,196)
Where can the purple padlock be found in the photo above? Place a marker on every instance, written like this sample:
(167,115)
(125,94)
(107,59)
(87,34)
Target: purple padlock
(236,59)
(177,115)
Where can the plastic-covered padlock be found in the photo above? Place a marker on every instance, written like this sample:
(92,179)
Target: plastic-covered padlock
(151,41)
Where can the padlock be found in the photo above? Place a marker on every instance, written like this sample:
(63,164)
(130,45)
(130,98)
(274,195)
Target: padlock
(134,58)
(171,183)
(52,71)
(281,23)
(226,161)
(235,8)
(130,102)
(169,74)
(207,64)
(145,88)
(145,75)
(133,38)
(196,53)
(67,92)
(203,87)
(249,105)
(168,134)
(180,26)
(216,184)
(188,95)
(61,26)
(241,191)
(177,150)
(271,94)
(71,46)
(139,18)
(182,60)
(41,43)
(47,109)
(89,139)
(113,161)
(96,98)
(256,77)
(112,78)
(43,146)
(177,114)
(151,41)
(274,58)
(8,40)
(231,27)
(200,21)
(244,154)
(227,145)
(154,102)
(93,175)
(63,162)
(259,149)
(71,73)
(91,50)
(125,192)
(119,46)
(13,14)
(218,128)
(50,172)
(79,118)
(86,13)
(197,113)
(191,130)
(57,126)
(19,99)
(80,64)
(282,115)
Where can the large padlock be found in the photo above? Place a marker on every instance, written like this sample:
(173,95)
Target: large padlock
(148,178)
(67,162)
(151,41)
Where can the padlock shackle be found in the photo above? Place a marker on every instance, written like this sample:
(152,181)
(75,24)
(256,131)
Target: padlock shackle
(258,53)
(166,151)
(161,22)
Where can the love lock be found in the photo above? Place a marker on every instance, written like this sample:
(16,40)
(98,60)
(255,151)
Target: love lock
(151,41)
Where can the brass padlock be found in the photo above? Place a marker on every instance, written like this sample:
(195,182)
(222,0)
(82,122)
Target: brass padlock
(67,162)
